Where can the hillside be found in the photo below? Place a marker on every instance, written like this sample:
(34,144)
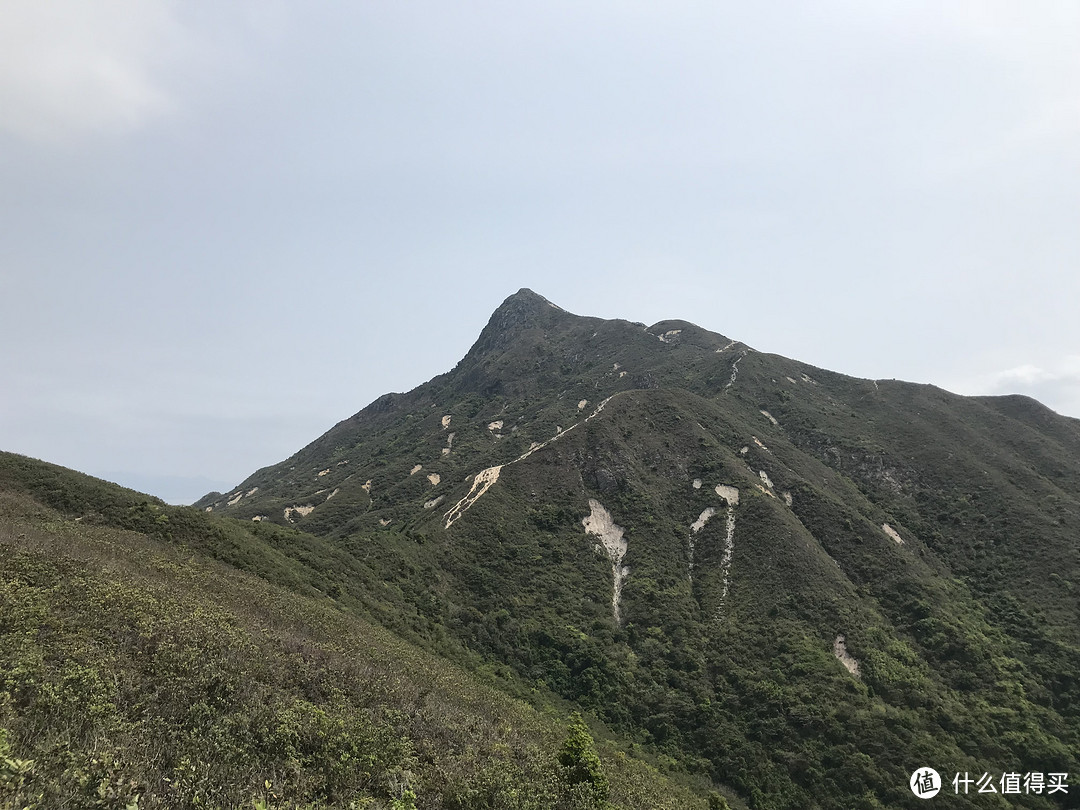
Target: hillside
(779,578)
(159,657)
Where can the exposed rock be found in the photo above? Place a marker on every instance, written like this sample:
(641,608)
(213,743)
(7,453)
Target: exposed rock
(600,524)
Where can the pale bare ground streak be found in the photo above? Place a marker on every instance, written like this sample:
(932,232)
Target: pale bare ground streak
(487,477)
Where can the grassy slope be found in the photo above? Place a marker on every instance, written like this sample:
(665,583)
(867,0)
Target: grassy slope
(134,665)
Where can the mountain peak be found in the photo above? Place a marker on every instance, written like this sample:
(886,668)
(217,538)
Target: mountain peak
(526,298)
(523,310)
(576,479)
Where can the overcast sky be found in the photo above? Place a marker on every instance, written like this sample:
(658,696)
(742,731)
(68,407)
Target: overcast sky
(225,226)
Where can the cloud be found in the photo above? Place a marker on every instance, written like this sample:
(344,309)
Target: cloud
(174,489)
(70,68)
(1067,370)
(1055,383)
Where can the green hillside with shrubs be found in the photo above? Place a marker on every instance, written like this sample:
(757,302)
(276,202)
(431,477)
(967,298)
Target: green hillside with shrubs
(138,668)
(761,584)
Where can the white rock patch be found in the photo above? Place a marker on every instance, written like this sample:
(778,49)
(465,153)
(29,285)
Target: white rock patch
(703,518)
(332,494)
(839,649)
(383,522)
(446,421)
(259,518)
(600,524)
(792,380)
(770,417)
(209,509)
(251,492)
(236,499)
(366,486)
(581,405)
(729,494)
(493,426)
(416,469)
(669,335)
(302,511)
(744,450)
(434,502)
(696,527)
(765,479)
(895,535)
(696,484)
(434,478)
(324,472)
(787,498)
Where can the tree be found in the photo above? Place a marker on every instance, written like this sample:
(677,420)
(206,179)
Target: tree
(580,762)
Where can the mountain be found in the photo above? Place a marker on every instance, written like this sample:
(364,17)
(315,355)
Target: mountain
(781,586)
(794,582)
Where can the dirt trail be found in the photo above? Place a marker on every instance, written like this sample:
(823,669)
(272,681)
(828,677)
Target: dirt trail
(735,369)
(731,495)
(481,484)
(462,506)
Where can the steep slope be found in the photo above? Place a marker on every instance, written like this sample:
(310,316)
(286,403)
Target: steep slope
(137,671)
(796,582)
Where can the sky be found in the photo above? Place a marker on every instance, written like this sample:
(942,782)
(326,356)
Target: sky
(226,226)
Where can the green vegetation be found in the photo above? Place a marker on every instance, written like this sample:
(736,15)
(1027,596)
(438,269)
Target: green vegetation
(581,765)
(359,651)
(133,673)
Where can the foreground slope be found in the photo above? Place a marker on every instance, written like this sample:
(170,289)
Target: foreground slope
(796,582)
(136,670)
